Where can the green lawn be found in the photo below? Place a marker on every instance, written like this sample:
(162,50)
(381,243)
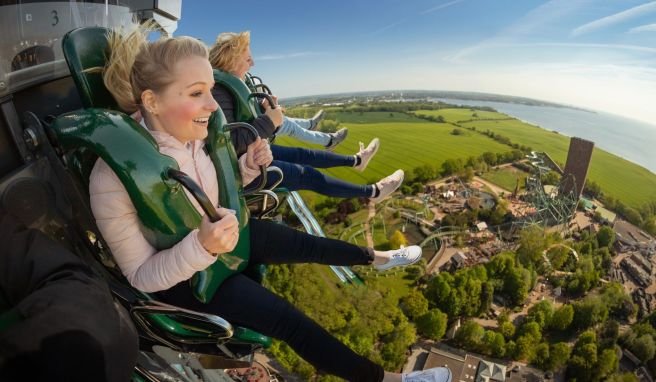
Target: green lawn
(506,177)
(407,142)
(456,115)
(405,145)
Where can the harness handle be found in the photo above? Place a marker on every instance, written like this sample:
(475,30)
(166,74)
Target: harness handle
(195,191)
(263,169)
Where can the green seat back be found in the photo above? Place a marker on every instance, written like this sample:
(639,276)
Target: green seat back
(163,208)
(245,107)
(86,48)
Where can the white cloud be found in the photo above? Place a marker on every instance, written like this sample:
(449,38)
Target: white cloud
(441,6)
(615,18)
(643,28)
(383,29)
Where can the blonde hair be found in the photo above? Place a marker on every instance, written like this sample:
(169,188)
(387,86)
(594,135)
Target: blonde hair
(227,48)
(136,64)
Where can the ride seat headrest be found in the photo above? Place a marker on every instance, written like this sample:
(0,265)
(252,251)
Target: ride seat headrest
(86,48)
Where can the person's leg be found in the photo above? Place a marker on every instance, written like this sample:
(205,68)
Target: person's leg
(292,129)
(244,302)
(314,158)
(297,177)
(273,243)
(305,123)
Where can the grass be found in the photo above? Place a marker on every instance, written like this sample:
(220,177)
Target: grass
(408,142)
(459,115)
(506,177)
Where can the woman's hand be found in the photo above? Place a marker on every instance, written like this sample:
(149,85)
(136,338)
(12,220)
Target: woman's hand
(275,114)
(258,154)
(220,236)
(265,103)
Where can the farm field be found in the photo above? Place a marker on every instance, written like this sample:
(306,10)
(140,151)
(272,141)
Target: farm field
(506,177)
(407,142)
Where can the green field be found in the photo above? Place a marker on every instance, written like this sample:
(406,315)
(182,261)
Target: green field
(460,114)
(404,144)
(506,177)
(407,142)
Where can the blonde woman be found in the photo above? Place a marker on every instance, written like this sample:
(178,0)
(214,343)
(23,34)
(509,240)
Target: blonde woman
(231,53)
(170,81)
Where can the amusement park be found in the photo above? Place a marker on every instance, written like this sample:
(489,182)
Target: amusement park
(166,217)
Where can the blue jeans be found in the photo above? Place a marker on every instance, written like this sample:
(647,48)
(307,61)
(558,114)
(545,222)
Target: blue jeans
(298,166)
(297,128)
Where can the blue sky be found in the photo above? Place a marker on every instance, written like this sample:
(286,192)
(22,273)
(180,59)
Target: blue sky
(599,54)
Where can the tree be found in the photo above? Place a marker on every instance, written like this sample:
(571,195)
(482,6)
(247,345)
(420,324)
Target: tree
(457,131)
(432,324)
(589,312)
(606,365)
(532,242)
(493,343)
(558,356)
(531,330)
(507,329)
(424,172)
(643,347)
(397,240)
(584,357)
(606,237)
(541,313)
(541,355)
(469,335)
(452,166)
(515,285)
(625,377)
(562,318)
(524,348)
(489,158)
(414,304)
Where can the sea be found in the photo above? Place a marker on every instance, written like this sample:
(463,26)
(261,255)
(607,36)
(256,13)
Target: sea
(630,139)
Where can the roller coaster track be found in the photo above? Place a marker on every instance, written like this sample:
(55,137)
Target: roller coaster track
(300,209)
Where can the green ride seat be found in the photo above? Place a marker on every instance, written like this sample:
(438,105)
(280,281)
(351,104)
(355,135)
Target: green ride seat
(101,130)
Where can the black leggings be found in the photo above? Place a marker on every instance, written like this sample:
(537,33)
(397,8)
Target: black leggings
(244,302)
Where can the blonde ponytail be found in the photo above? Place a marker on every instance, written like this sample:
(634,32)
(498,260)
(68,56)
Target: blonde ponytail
(136,65)
(117,74)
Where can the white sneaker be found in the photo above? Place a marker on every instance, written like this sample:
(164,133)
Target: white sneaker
(401,257)
(437,374)
(388,185)
(366,154)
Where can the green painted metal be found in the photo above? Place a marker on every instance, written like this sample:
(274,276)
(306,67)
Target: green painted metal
(222,153)
(163,205)
(245,107)
(250,336)
(86,48)
(163,208)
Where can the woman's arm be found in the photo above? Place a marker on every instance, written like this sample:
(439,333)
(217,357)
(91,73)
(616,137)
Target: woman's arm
(240,137)
(146,268)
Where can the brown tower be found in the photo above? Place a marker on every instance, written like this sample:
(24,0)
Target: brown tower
(578,162)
